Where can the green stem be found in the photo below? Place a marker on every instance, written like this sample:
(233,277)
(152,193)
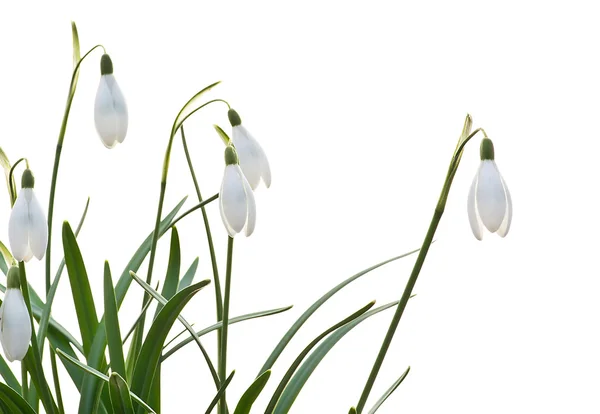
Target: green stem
(225,328)
(196,207)
(24,389)
(211,246)
(437,216)
(59,400)
(37,372)
(11,178)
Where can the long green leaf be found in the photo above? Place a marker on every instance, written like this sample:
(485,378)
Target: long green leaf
(7,256)
(220,392)
(149,356)
(113,331)
(119,395)
(286,378)
(91,388)
(188,277)
(217,325)
(13,401)
(153,293)
(287,337)
(252,393)
(304,372)
(173,269)
(389,391)
(80,287)
(8,375)
(3,265)
(101,376)
(10,184)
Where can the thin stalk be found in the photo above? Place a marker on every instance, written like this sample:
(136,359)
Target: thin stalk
(59,400)
(24,389)
(59,145)
(437,216)
(211,246)
(196,207)
(223,355)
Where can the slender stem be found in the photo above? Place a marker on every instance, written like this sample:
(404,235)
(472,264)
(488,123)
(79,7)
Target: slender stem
(223,356)
(437,216)
(59,400)
(11,178)
(211,246)
(24,389)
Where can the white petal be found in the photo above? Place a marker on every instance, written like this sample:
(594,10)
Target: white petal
(251,206)
(16,325)
(253,160)
(28,255)
(38,228)
(490,196)
(505,226)
(233,200)
(472,211)
(18,226)
(110,112)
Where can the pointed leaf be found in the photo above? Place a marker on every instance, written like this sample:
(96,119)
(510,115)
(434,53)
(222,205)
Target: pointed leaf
(389,392)
(80,287)
(252,393)
(119,395)
(13,401)
(173,269)
(287,337)
(304,372)
(188,278)
(152,347)
(99,375)
(217,397)
(113,331)
(217,325)
(8,375)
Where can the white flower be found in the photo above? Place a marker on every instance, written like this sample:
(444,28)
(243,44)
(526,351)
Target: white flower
(110,108)
(253,160)
(15,322)
(27,227)
(489,201)
(236,199)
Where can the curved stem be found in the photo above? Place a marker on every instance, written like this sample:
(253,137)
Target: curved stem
(437,216)
(13,191)
(225,328)
(211,246)
(196,207)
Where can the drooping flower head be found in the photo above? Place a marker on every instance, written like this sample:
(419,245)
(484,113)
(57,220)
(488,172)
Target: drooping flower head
(489,201)
(27,226)
(15,322)
(110,109)
(236,199)
(253,160)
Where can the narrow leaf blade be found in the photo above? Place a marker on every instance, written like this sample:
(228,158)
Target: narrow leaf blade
(119,395)
(113,331)
(389,392)
(252,393)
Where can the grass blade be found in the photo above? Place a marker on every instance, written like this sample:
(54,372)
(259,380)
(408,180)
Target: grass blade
(119,395)
(304,372)
(217,397)
(217,325)
(389,391)
(286,378)
(188,277)
(287,337)
(14,403)
(252,393)
(113,331)
(80,287)
(101,376)
(151,349)
(173,269)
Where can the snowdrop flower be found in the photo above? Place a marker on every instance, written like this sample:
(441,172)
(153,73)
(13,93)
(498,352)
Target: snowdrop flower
(15,322)
(253,160)
(27,227)
(236,199)
(489,201)
(110,108)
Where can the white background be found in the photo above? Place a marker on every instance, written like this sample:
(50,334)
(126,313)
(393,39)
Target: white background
(358,106)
